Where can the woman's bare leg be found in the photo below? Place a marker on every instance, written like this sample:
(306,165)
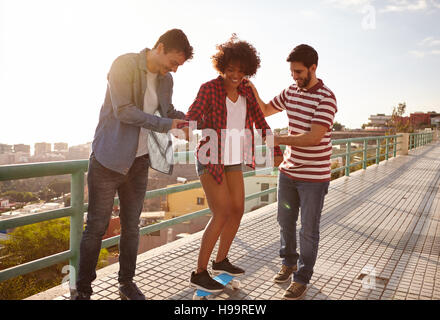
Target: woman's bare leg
(234,180)
(215,195)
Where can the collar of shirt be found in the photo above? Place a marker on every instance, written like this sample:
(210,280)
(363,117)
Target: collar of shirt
(313,89)
(241,88)
(142,64)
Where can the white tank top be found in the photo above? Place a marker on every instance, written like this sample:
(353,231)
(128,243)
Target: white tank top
(234,133)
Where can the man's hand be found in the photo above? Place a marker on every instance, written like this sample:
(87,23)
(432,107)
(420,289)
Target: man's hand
(267,109)
(252,86)
(277,160)
(178,124)
(178,127)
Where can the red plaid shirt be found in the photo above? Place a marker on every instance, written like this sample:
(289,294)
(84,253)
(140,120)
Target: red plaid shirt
(210,112)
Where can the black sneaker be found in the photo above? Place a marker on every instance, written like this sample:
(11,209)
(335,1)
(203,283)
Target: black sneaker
(226,267)
(204,282)
(78,295)
(129,291)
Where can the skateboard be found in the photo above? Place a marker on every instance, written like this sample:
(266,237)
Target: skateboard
(224,279)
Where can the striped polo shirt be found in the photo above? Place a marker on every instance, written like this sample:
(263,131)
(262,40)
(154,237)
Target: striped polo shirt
(316,105)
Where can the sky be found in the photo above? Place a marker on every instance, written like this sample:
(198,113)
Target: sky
(55,55)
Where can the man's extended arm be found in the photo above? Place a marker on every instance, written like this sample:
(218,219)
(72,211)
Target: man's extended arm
(306,139)
(267,108)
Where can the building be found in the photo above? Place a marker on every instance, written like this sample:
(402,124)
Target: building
(60,146)
(7,158)
(180,203)
(79,152)
(418,119)
(39,207)
(4,203)
(150,217)
(257,184)
(5,148)
(42,148)
(23,148)
(435,121)
(379,120)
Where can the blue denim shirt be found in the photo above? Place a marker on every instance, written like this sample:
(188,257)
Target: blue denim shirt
(121,116)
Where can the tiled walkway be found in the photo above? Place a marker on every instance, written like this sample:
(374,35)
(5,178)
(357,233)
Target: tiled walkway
(380,239)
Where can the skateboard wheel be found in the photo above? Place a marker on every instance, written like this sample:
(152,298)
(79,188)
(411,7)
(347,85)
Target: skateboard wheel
(196,297)
(235,284)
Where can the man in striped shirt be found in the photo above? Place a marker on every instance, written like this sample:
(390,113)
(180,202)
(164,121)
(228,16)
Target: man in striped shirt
(305,172)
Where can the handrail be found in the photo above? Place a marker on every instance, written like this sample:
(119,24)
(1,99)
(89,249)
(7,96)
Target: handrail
(78,168)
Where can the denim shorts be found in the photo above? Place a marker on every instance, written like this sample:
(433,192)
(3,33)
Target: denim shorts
(201,169)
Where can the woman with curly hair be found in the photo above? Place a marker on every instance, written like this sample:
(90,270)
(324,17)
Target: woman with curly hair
(226,111)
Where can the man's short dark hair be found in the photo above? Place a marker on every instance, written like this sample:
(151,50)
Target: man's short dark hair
(305,54)
(175,39)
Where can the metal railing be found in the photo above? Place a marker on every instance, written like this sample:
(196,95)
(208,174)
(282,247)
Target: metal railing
(390,146)
(420,139)
(78,168)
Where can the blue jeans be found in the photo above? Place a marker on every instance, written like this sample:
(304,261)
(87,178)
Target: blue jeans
(201,169)
(103,184)
(309,196)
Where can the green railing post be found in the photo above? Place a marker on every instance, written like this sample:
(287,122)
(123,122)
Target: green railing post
(394,147)
(387,140)
(76,223)
(364,163)
(377,151)
(347,159)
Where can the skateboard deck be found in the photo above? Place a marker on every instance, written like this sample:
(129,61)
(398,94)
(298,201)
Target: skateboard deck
(224,279)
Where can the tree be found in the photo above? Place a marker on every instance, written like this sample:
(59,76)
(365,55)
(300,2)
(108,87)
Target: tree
(32,242)
(366,125)
(18,196)
(398,123)
(60,186)
(337,126)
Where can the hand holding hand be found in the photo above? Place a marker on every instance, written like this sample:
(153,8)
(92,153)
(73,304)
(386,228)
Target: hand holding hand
(182,126)
(179,124)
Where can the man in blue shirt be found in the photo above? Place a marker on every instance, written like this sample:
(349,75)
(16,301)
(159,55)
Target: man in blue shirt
(132,135)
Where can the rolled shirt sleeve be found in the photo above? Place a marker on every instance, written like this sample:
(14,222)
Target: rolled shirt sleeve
(325,112)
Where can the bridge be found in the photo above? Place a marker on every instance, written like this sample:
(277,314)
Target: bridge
(380,240)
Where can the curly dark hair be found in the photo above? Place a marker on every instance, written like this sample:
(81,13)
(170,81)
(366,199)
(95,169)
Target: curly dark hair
(235,50)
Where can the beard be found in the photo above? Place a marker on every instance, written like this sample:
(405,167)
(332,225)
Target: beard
(303,83)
